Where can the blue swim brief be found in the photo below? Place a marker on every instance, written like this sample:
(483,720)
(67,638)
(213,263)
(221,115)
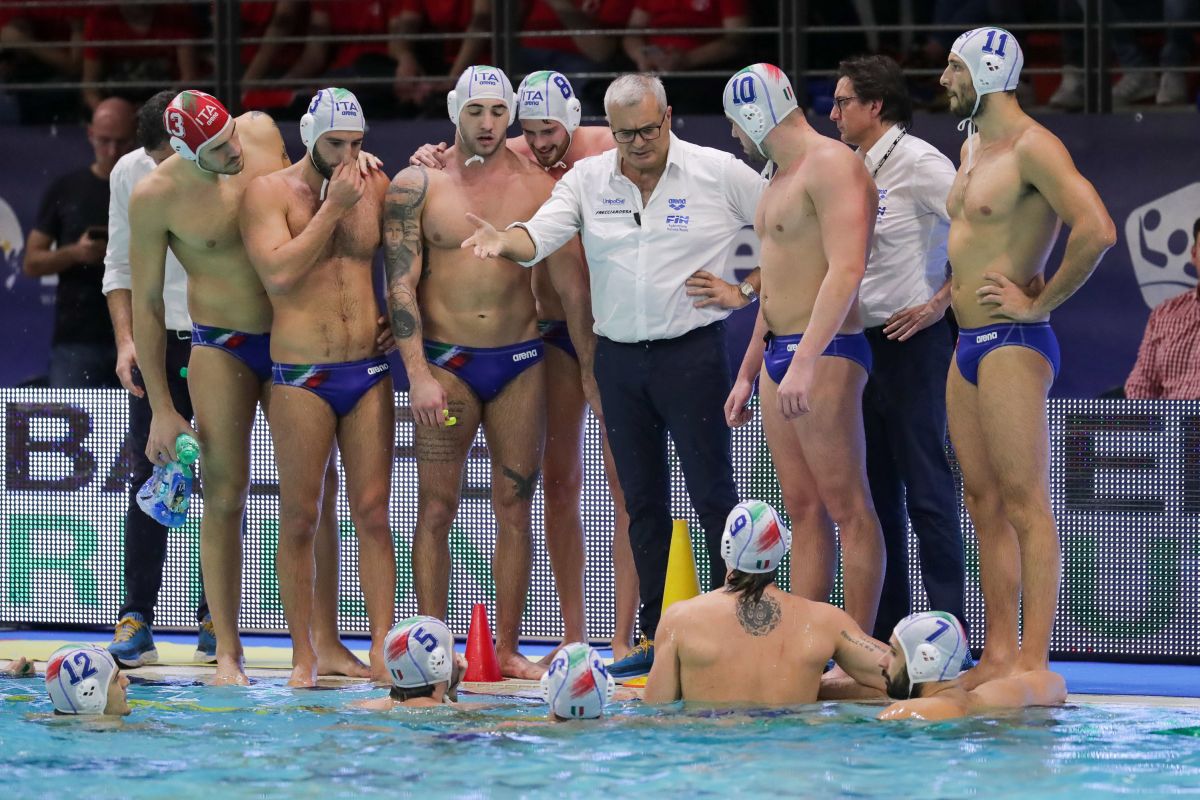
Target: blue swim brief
(485,370)
(554,331)
(780,350)
(252,349)
(975,343)
(340,385)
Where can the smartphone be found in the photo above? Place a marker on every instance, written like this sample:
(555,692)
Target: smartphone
(97,232)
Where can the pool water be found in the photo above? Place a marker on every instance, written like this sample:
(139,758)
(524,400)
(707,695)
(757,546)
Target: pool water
(189,740)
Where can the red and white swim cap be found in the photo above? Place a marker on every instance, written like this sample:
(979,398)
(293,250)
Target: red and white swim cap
(193,120)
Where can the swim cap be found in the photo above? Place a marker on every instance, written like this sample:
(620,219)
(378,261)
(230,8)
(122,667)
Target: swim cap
(476,82)
(577,686)
(757,99)
(993,58)
(548,95)
(194,119)
(419,652)
(78,677)
(755,539)
(331,110)
(934,645)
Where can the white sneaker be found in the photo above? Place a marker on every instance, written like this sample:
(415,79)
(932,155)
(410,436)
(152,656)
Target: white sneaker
(1134,87)
(1069,94)
(1172,89)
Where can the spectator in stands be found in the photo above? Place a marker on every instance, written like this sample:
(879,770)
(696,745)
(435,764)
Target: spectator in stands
(1133,87)
(159,60)
(340,62)
(571,54)
(73,218)
(673,53)
(446,58)
(1168,362)
(59,32)
(269,59)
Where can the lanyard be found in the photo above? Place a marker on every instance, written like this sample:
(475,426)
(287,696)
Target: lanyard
(883,160)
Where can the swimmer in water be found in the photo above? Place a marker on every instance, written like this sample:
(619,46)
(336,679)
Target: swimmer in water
(424,668)
(85,680)
(922,670)
(750,642)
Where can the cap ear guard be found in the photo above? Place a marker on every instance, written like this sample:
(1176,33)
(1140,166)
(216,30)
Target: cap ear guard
(173,121)
(452,106)
(308,121)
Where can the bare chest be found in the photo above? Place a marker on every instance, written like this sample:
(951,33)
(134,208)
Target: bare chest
(445,224)
(785,213)
(990,193)
(357,234)
(206,220)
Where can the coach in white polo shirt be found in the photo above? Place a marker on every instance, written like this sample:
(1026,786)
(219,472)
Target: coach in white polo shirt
(651,213)
(145,539)
(903,302)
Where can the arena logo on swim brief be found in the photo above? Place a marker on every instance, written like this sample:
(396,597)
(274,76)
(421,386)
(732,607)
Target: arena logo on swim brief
(378,368)
(1159,236)
(987,337)
(524,356)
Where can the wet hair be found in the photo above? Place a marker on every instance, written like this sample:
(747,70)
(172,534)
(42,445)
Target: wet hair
(880,78)
(151,132)
(400,693)
(749,586)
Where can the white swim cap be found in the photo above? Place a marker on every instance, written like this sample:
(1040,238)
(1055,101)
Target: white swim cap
(993,58)
(757,99)
(476,82)
(548,95)
(577,685)
(78,677)
(934,645)
(755,538)
(419,652)
(331,109)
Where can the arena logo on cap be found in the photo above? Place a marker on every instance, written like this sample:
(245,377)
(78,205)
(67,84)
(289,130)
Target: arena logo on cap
(486,78)
(1158,235)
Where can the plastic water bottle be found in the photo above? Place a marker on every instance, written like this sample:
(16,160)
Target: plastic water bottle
(166,496)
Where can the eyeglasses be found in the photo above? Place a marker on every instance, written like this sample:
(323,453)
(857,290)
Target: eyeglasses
(648,133)
(840,102)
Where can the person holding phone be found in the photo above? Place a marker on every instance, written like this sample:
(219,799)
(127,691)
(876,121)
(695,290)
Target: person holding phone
(68,240)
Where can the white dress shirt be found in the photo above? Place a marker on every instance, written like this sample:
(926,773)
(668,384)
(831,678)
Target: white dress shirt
(132,167)
(908,258)
(639,257)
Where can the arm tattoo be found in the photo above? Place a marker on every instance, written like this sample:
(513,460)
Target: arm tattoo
(523,485)
(758,618)
(866,643)
(402,246)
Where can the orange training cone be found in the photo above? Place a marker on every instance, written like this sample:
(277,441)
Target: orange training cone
(681,582)
(482,665)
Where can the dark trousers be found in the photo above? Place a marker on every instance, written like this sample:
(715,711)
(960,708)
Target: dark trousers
(904,416)
(649,390)
(145,539)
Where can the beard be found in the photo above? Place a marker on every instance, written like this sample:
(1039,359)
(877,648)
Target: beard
(962,105)
(899,688)
(323,166)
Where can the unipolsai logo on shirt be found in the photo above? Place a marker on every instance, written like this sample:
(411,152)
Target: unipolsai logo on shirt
(1158,235)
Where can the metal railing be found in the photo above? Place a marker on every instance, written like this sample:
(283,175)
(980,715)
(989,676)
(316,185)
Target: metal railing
(790,46)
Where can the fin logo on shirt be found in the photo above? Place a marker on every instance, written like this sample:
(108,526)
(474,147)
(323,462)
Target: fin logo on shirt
(676,222)
(1159,237)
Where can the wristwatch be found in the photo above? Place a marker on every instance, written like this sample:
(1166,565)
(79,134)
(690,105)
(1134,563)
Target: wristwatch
(748,292)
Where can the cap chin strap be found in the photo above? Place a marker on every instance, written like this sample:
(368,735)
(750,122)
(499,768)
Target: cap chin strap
(969,124)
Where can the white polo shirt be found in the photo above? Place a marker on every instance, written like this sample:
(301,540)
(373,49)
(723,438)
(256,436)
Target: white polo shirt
(132,167)
(639,257)
(908,258)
